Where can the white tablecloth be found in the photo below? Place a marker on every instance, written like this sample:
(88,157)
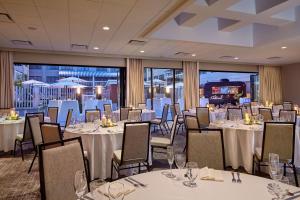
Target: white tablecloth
(160,187)
(147,115)
(8,132)
(63,107)
(217,114)
(241,140)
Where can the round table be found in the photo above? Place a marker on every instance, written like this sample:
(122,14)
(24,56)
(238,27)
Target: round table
(158,186)
(8,133)
(241,140)
(147,115)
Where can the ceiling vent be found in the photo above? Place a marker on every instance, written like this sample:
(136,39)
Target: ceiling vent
(79,46)
(226,57)
(180,53)
(137,42)
(274,58)
(22,42)
(6,18)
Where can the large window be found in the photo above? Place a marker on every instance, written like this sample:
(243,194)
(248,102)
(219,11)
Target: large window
(163,86)
(36,85)
(228,87)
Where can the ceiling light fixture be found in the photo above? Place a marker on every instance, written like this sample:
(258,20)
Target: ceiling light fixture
(142,51)
(193,55)
(96,48)
(106,28)
(235,58)
(283,47)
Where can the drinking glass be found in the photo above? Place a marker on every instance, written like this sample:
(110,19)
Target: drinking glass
(170,156)
(180,160)
(192,174)
(80,183)
(116,191)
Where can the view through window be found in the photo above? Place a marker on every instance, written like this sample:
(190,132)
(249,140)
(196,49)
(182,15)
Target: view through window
(228,87)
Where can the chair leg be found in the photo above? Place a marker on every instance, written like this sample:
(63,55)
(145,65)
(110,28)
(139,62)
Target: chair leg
(88,169)
(148,167)
(139,168)
(253,167)
(111,170)
(184,149)
(164,125)
(284,169)
(15,148)
(21,146)
(152,150)
(161,130)
(295,175)
(35,155)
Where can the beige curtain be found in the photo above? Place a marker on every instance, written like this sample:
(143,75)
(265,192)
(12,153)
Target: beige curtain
(135,82)
(270,84)
(6,80)
(190,84)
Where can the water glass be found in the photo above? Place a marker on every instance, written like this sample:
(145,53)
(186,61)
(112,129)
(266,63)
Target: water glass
(170,156)
(192,174)
(80,183)
(116,191)
(180,160)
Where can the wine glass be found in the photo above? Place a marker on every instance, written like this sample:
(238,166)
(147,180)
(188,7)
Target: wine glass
(192,174)
(80,183)
(170,156)
(116,191)
(180,160)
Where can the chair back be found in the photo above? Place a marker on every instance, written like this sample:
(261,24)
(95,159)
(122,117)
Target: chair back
(58,167)
(124,113)
(202,114)
(69,117)
(177,108)
(27,135)
(191,122)
(35,129)
(51,133)
(92,114)
(164,116)
(266,113)
(5,111)
(142,106)
(287,105)
(206,147)
(135,115)
(53,114)
(288,115)
(173,111)
(276,108)
(234,113)
(107,110)
(135,147)
(278,138)
(246,108)
(173,129)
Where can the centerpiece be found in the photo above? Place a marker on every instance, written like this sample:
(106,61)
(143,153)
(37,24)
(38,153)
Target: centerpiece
(13,116)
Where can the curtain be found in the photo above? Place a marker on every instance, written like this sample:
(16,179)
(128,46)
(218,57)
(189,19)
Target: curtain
(270,84)
(135,82)
(190,84)
(6,80)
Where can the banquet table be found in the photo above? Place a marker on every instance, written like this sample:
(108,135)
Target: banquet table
(158,186)
(8,132)
(63,107)
(217,114)
(241,140)
(147,115)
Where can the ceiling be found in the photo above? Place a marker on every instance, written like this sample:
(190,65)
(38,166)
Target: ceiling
(249,30)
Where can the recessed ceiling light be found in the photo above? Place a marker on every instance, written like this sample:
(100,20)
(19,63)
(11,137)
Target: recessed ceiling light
(106,28)
(235,58)
(193,55)
(95,48)
(142,51)
(283,47)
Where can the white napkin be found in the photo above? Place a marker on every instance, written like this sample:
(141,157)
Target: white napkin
(211,174)
(126,190)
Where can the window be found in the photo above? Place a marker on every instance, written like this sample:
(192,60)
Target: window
(55,83)
(163,86)
(228,87)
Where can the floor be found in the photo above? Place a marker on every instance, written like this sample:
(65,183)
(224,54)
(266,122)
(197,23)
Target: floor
(17,184)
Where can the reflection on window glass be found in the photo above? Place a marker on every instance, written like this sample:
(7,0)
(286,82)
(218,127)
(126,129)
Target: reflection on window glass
(159,87)
(37,85)
(228,87)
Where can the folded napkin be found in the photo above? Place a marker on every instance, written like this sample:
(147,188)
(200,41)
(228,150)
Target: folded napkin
(211,174)
(127,189)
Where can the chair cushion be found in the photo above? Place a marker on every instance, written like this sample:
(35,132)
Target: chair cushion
(156,121)
(160,141)
(117,156)
(258,152)
(19,137)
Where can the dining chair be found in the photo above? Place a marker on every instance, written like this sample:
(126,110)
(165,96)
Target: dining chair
(135,115)
(68,120)
(202,114)
(107,110)
(191,122)
(246,108)
(142,106)
(287,105)
(278,138)
(58,167)
(26,136)
(92,114)
(276,108)
(53,114)
(178,110)
(124,113)
(180,118)
(35,130)
(135,148)
(206,148)
(234,113)
(266,113)
(288,115)
(162,142)
(163,121)
(253,103)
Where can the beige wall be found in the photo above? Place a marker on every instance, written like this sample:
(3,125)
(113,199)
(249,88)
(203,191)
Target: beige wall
(291,82)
